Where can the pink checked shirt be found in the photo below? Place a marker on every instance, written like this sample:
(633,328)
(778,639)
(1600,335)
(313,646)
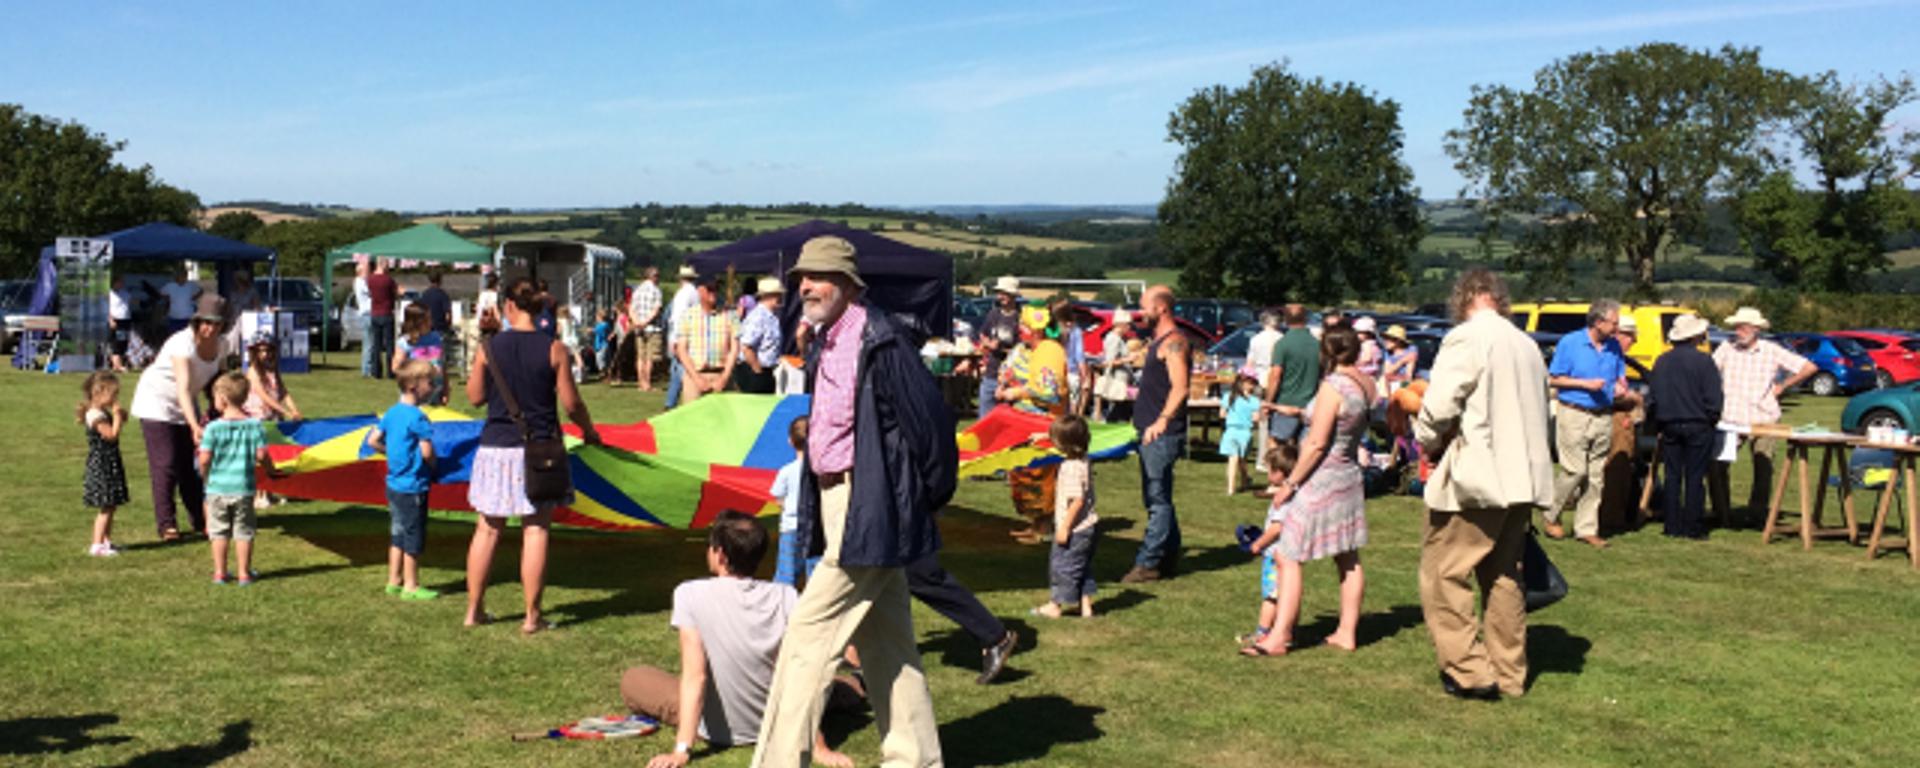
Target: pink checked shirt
(830,430)
(1747,377)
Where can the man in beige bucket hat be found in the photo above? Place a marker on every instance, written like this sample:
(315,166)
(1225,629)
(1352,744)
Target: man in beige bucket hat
(1754,372)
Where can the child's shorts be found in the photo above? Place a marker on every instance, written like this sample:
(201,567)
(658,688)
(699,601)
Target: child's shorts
(786,560)
(409,518)
(1269,577)
(230,517)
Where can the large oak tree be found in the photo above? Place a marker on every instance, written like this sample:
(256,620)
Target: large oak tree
(1614,154)
(1289,189)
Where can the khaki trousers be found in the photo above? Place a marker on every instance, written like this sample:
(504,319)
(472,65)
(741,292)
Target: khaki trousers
(1477,547)
(653,692)
(870,608)
(1584,441)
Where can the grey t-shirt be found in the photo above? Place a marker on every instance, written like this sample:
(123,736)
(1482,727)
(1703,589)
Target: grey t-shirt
(741,622)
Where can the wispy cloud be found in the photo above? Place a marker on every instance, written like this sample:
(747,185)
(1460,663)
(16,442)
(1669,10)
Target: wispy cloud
(990,86)
(478,89)
(1033,18)
(649,104)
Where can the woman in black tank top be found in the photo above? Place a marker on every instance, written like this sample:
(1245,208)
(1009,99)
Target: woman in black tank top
(534,367)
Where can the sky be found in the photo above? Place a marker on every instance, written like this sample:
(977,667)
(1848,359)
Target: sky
(427,106)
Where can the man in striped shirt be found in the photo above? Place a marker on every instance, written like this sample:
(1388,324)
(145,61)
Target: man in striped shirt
(706,345)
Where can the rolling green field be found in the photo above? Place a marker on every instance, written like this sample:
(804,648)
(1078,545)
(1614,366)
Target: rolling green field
(1666,653)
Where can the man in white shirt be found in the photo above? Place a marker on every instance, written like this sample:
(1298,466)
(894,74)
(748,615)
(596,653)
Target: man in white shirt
(1259,360)
(180,296)
(684,297)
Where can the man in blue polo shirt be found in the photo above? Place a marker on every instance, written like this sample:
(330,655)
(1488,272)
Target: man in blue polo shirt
(1588,374)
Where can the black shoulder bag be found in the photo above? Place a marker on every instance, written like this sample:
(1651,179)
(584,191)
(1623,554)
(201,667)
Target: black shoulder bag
(548,475)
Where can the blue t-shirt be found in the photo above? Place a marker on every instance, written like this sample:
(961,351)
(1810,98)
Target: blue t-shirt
(786,488)
(1240,411)
(232,445)
(404,427)
(1575,357)
(1076,350)
(602,332)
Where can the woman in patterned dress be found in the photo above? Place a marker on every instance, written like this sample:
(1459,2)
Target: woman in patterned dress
(1033,380)
(1319,510)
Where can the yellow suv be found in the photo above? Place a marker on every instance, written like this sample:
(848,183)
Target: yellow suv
(1654,321)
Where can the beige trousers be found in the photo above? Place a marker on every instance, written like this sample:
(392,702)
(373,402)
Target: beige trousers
(870,608)
(1480,547)
(1584,440)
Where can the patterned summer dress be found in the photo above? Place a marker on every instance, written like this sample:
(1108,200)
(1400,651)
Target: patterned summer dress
(105,483)
(1327,516)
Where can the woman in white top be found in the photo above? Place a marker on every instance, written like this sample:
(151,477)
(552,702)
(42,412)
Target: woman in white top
(363,304)
(169,413)
(119,323)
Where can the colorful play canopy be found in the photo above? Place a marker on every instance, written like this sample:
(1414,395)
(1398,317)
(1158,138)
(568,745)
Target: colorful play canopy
(676,470)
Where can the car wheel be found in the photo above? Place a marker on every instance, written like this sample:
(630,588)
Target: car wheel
(1881,417)
(1882,380)
(1825,385)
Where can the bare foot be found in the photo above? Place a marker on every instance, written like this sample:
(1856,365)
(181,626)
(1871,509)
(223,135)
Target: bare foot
(1048,610)
(832,759)
(479,619)
(1263,648)
(1347,644)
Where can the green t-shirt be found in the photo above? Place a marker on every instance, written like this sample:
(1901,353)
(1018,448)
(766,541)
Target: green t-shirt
(233,445)
(1298,356)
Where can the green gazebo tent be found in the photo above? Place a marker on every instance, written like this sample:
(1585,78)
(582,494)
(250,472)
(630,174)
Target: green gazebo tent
(424,242)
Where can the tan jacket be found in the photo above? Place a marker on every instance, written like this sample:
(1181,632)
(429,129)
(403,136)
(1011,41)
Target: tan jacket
(1486,405)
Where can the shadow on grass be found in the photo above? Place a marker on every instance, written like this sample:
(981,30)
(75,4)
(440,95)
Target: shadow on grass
(956,648)
(1128,598)
(1024,728)
(1553,650)
(56,735)
(235,738)
(1374,627)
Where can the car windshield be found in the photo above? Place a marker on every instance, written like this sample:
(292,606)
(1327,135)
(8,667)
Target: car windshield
(1234,345)
(1561,323)
(1868,344)
(15,295)
(1239,315)
(290,290)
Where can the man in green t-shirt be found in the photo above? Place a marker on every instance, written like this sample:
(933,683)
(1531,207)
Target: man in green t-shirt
(1295,373)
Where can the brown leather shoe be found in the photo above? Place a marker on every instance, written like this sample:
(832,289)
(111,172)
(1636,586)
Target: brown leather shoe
(1140,576)
(1555,532)
(1595,542)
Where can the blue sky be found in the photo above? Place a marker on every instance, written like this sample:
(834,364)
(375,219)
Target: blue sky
(421,105)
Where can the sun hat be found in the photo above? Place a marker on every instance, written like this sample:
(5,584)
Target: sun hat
(1122,317)
(1245,534)
(1746,316)
(829,254)
(1687,327)
(212,308)
(771,285)
(1363,325)
(1007,284)
(1396,332)
(1629,325)
(686,272)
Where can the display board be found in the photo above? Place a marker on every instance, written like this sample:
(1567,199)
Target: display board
(84,267)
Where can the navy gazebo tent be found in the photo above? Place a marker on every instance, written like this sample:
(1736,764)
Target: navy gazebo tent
(911,283)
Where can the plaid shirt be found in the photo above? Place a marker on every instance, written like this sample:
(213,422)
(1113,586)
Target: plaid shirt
(830,430)
(1747,377)
(646,305)
(760,333)
(705,336)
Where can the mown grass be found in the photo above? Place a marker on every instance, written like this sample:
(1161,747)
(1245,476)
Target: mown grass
(1725,652)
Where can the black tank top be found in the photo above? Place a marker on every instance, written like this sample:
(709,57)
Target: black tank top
(1155,387)
(523,359)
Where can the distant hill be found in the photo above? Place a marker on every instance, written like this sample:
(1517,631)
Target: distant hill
(1038,213)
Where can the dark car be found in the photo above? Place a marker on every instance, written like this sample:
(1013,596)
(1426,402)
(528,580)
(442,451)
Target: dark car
(301,297)
(1218,317)
(1844,365)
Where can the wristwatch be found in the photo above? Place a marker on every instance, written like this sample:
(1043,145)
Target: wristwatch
(682,747)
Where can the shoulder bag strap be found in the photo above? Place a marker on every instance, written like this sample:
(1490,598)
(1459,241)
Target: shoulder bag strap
(506,393)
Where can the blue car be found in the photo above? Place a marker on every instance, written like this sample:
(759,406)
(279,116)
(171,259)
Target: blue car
(1845,367)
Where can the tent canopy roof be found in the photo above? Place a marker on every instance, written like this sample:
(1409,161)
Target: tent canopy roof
(161,241)
(422,242)
(775,252)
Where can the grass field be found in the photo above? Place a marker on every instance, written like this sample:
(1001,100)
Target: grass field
(1665,653)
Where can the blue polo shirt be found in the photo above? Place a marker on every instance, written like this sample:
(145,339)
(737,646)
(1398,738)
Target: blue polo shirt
(1575,357)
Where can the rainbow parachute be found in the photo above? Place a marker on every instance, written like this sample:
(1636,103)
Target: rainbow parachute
(676,470)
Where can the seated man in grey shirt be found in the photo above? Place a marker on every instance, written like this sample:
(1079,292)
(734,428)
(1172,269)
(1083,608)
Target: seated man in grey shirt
(730,631)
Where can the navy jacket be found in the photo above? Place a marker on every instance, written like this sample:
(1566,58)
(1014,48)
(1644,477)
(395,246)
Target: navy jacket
(1686,388)
(904,456)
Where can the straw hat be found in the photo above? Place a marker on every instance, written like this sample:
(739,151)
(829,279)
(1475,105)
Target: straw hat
(1688,327)
(1629,325)
(1007,284)
(771,286)
(829,254)
(686,272)
(1396,332)
(1122,317)
(1746,316)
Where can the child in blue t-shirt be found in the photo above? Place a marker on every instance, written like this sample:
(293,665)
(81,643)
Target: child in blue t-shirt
(603,342)
(230,447)
(1237,412)
(406,437)
(786,488)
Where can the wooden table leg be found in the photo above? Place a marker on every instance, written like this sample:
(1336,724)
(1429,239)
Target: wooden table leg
(1913,516)
(1820,492)
(1846,495)
(1886,502)
(1646,488)
(1801,460)
(1773,504)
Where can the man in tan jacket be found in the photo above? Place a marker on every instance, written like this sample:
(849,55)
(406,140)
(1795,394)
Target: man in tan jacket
(1484,419)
